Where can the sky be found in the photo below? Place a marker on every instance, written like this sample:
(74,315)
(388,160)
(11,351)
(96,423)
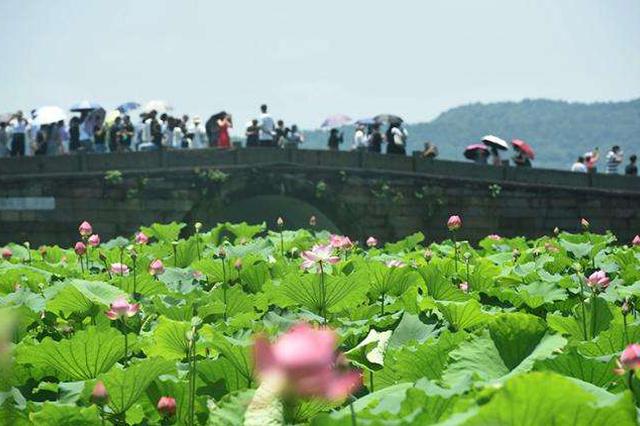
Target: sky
(310,59)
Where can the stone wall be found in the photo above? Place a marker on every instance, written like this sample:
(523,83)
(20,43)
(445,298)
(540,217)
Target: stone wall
(360,194)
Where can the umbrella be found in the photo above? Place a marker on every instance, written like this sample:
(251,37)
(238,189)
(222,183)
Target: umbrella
(388,118)
(128,106)
(370,121)
(524,147)
(49,114)
(337,120)
(495,142)
(84,106)
(158,106)
(5,118)
(93,120)
(470,151)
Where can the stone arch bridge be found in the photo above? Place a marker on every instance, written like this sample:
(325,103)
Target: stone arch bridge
(42,200)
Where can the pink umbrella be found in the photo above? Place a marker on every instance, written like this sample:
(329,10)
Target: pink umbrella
(470,151)
(524,147)
(337,120)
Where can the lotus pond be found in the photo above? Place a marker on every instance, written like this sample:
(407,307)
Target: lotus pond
(242,325)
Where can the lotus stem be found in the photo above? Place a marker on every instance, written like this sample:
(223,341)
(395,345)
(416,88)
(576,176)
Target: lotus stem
(455,249)
(224,287)
(584,311)
(353,411)
(371,381)
(135,294)
(593,314)
(323,295)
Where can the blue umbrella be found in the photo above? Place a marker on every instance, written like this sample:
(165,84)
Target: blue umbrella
(128,106)
(84,106)
(370,121)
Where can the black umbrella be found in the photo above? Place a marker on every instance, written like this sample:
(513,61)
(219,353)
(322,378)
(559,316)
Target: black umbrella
(388,118)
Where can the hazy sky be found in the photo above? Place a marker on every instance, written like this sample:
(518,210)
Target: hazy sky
(308,59)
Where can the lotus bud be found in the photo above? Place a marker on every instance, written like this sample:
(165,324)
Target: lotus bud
(27,244)
(598,280)
(156,267)
(80,248)
(167,406)
(516,254)
(6,253)
(556,231)
(630,358)
(625,307)
(85,229)
(636,241)
(372,242)
(102,256)
(238,264)
(585,223)
(94,240)
(221,251)
(464,286)
(280,222)
(312,221)
(141,238)
(133,253)
(99,395)
(428,254)
(454,223)
(198,226)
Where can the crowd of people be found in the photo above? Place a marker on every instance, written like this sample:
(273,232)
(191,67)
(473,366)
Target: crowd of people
(92,130)
(588,163)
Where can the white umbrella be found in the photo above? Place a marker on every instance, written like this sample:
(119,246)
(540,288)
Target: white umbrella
(158,106)
(495,142)
(49,114)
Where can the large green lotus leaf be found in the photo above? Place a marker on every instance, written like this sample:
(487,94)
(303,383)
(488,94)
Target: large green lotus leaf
(26,276)
(411,329)
(427,359)
(173,307)
(578,250)
(342,292)
(236,301)
(168,340)
(539,293)
(244,231)
(573,364)
(84,356)
(574,325)
(179,280)
(407,244)
(221,377)
(516,335)
(481,359)
(75,295)
(146,285)
(260,248)
(439,285)
(24,297)
(482,276)
(550,399)
(164,232)
(53,414)
(126,386)
(289,240)
(214,270)
(253,277)
(370,351)
(610,342)
(230,410)
(237,352)
(386,280)
(463,315)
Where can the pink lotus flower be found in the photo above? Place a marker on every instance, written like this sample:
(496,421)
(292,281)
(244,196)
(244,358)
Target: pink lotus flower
(464,286)
(494,237)
(585,223)
(636,240)
(319,254)
(85,229)
(340,241)
(598,280)
(80,248)
(141,238)
(119,268)
(156,267)
(307,360)
(94,240)
(372,242)
(99,395)
(120,308)
(395,264)
(630,358)
(167,406)
(6,253)
(454,223)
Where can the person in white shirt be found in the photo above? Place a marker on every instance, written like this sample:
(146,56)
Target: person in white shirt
(267,128)
(360,139)
(199,133)
(19,127)
(579,166)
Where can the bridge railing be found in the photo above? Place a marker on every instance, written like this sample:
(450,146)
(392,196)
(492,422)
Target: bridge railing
(11,168)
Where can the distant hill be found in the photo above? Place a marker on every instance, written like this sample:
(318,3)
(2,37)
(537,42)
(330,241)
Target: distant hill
(558,131)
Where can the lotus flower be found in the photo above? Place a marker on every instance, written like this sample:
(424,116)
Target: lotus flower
(340,241)
(85,229)
(167,406)
(312,221)
(319,254)
(372,242)
(80,248)
(585,223)
(395,264)
(307,361)
(494,237)
(94,240)
(119,268)
(141,238)
(120,308)
(99,395)
(454,223)
(280,222)
(630,358)
(598,280)
(6,253)
(464,286)
(237,264)
(636,240)
(156,267)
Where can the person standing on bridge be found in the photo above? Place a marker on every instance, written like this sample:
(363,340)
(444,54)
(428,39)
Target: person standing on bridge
(267,128)
(375,139)
(224,123)
(335,139)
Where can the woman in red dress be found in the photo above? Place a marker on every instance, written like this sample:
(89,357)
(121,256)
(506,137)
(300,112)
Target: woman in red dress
(224,123)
